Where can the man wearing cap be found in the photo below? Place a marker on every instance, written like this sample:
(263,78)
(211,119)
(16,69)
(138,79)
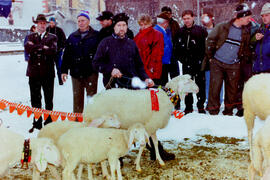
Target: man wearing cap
(52,28)
(226,46)
(79,52)
(42,47)
(105,20)
(262,61)
(190,49)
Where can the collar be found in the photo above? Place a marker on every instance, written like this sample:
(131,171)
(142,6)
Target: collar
(26,153)
(172,95)
(162,28)
(42,35)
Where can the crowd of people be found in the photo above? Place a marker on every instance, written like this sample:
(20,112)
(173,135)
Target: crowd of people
(226,54)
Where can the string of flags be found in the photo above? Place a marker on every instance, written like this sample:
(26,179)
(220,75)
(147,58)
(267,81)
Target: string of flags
(39,112)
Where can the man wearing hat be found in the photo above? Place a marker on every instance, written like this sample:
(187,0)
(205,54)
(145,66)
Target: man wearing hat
(227,46)
(262,61)
(105,20)
(52,28)
(79,52)
(42,47)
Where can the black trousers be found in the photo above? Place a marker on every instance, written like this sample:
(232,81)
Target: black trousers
(47,85)
(199,77)
(172,69)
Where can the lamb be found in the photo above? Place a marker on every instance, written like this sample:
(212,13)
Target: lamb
(56,129)
(134,106)
(93,145)
(256,102)
(12,144)
(261,150)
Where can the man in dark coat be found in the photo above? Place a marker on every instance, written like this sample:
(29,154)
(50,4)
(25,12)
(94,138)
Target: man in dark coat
(52,28)
(190,51)
(42,47)
(80,49)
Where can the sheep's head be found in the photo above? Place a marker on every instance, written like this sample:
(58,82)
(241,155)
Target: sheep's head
(46,152)
(106,121)
(137,133)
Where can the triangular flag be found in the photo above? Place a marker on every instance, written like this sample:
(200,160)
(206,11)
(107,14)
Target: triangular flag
(79,117)
(55,115)
(3,105)
(20,109)
(46,114)
(12,107)
(71,116)
(63,116)
(37,113)
(29,111)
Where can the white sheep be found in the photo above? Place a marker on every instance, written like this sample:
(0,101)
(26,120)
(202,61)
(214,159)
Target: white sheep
(93,145)
(134,106)
(261,150)
(256,102)
(56,129)
(43,152)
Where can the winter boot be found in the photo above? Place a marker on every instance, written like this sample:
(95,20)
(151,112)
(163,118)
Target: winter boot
(48,120)
(36,124)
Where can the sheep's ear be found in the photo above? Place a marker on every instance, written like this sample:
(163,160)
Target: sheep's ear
(40,161)
(96,122)
(130,141)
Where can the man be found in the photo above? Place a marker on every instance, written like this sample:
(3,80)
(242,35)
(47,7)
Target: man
(226,46)
(262,61)
(161,26)
(52,28)
(151,47)
(105,20)
(191,49)
(119,60)
(42,47)
(80,49)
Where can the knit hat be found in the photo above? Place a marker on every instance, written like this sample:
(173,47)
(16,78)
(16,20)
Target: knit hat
(265,8)
(120,17)
(164,15)
(40,17)
(52,19)
(242,10)
(105,15)
(84,13)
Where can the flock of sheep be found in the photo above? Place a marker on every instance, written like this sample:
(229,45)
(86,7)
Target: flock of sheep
(115,119)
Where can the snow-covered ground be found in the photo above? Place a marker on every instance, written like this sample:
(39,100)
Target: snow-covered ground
(15,88)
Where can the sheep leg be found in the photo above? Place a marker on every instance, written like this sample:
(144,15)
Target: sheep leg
(266,174)
(90,175)
(118,170)
(54,172)
(138,159)
(257,158)
(36,173)
(155,141)
(249,118)
(104,169)
(79,173)
(251,171)
(70,165)
(113,163)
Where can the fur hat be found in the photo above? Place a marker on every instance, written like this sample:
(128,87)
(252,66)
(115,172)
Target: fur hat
(265,8)
(40,17)
(120,17)
(105,15)
(84,13)
(164,15)
(242,10)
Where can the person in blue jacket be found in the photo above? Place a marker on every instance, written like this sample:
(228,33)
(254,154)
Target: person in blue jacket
(32,29)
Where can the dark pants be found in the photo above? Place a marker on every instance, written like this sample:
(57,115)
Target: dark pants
(79,86)
(245,74)
(58,63)
(230,74)
(172,69)
(199,77)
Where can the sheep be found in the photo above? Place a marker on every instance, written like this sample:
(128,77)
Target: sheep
(261,150)
(43,152)
(56,129)
(134,106)
(256,102)
(93,145)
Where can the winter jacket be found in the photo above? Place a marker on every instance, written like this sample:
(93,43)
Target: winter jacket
(262,58)
(79,53)
(41,61)
(190,46)
(217,38)
(60,35)
(122,54)
(151,48)
(166,59)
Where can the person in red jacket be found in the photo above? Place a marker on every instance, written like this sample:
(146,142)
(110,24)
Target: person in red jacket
(151,48)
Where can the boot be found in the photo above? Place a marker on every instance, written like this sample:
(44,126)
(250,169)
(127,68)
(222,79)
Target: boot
(163,154)
(48,120)
(36,124)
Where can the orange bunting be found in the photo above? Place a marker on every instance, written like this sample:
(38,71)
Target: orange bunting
(178,114)
(12,107)
(21,109)
(3,104)
(79,117)
(46,114)
(37,113)
(55,115)
(28,111)
(71,116)
(63,116)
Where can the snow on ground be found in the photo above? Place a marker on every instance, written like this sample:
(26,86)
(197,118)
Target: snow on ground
(15,88)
